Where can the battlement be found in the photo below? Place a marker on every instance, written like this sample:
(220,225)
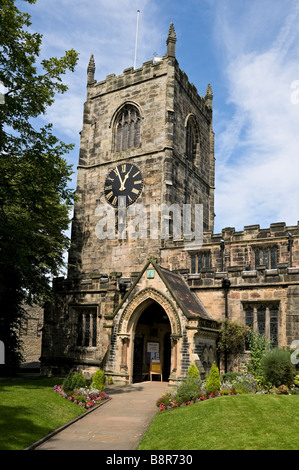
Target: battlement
(252,233)
(148,71)
(130,76)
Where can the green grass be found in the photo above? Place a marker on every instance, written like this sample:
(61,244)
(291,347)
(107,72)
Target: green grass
(30,409)
(242,422)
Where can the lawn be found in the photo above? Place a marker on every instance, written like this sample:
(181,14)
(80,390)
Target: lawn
(29,410)
(241,422)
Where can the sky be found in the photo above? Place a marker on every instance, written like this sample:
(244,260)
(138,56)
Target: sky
(247,50)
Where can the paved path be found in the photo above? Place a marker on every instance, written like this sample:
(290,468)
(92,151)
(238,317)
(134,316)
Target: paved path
(117,425)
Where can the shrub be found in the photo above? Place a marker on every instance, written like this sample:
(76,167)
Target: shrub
(277,368)
(213,382)
(188,390)
(259,345)
(78,381)
(67,383)
(229,376)
(98,380)
(165,399)
(231,340)
(193,372)
(283,390)
(79,398)
(245,383)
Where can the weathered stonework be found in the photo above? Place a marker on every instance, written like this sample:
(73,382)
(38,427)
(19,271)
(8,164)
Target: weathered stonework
(31,335)
(126,299)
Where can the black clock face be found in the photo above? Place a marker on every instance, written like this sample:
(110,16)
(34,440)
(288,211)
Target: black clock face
(124,180)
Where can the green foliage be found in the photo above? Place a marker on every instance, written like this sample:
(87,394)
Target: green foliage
(193,372)
(78,381)
(74,380)
(35,200)
(213,381)
(67,383)
(229,376)
(277,367)
(231,339)
(166,399)
(109,380)
(188,390)
(98,380)
(259,345)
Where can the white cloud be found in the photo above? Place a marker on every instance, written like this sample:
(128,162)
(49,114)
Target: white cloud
(258,151)
(106,29)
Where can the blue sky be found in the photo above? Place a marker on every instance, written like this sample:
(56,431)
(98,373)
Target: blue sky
(247,50)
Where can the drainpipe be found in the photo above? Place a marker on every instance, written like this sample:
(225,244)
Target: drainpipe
(226,285)
(222,254)
(290,248)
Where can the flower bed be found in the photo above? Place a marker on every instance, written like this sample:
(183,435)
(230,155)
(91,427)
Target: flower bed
(84,397)
(167,402)
(172,400)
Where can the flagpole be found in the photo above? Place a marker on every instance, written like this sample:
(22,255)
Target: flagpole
(138,11)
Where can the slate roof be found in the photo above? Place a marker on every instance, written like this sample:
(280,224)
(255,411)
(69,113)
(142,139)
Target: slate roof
(179,290)
(188,301)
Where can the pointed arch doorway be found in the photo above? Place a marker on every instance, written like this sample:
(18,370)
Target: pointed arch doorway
(151,340)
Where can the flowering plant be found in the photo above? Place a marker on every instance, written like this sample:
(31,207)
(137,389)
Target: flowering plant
(84,396)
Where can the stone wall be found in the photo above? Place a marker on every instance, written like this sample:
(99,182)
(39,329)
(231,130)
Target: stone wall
(31,335)
(162,94)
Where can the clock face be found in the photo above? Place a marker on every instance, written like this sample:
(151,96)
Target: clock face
(124,180)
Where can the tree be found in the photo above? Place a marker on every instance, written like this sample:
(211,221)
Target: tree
(259,346)
(277,367)
(231,341)
(35,199)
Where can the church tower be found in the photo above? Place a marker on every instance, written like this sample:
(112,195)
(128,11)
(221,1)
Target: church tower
(146,156)
(146,143)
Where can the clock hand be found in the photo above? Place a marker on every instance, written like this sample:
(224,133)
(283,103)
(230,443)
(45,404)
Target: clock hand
(119,177)
(122,187)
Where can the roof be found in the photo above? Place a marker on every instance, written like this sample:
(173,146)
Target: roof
(188,301)
(178,289)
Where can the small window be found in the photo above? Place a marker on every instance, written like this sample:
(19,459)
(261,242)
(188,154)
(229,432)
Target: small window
(127,129)
(191,139)
(263,318)
(200,261)
(87,328)
(266,256)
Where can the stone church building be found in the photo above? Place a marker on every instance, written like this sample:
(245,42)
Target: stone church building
(148,279)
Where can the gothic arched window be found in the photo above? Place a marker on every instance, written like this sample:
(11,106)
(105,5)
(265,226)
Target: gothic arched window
(192,139)
(127,128)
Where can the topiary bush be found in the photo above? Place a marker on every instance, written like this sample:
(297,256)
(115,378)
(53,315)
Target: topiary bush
(193,372)
(277,368)
(98,380)
(67,383)
(73,381)
(213,383)
(78,381)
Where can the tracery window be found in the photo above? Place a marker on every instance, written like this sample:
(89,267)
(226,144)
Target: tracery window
(199,261)
(127,128)
(266,256)
(262,318)
(87,328)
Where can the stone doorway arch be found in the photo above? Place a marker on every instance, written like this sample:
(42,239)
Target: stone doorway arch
(150,317)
